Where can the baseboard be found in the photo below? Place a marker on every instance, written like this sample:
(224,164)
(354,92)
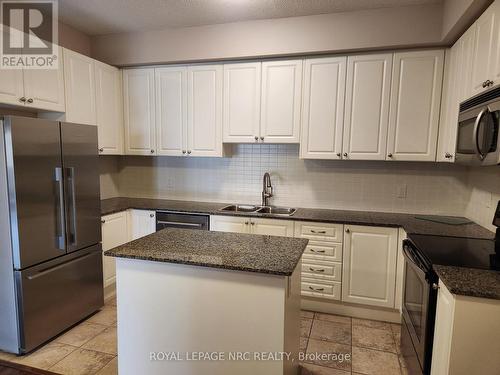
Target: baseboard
(355,311)
(109,292)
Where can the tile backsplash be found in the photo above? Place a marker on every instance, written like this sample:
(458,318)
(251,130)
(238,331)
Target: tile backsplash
(355,185)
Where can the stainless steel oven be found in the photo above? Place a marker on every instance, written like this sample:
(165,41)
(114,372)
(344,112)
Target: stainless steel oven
(478,141)
(419,310)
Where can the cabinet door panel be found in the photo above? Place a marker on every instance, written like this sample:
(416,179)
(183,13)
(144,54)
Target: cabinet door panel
(369,265)
(415,101)
(109,109)
(139,111)
(11,86)
(171,110)
(367,106)
(141,223)
(45,87)
(79,85)
(114,233)
(272,227)
(323,105)
(495,66)
(281,100)
(484,50)
(242,82)
(204,130)
(229,224)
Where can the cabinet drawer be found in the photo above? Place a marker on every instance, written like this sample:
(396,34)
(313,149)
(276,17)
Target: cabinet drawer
(324,251)
(323,289)
(320,231)
(322,270)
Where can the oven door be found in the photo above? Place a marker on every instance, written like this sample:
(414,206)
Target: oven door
(416,294)
(477,135)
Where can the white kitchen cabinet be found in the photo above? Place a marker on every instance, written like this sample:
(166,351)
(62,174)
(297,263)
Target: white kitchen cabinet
(496,43)
(114,233)
(238,224)
(369,265)
(141,223)
(139,111)
(415,102)
(204,120)
(281,101)
(323,108)
(485,49)
(171,110)
(79,85)
(367,106)
(242,90)
(109,102)
(34,88)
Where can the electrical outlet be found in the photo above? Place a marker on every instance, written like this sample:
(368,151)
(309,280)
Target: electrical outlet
(402,191)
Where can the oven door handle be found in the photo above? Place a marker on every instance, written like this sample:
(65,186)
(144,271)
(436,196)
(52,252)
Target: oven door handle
(413,258)
(475,133)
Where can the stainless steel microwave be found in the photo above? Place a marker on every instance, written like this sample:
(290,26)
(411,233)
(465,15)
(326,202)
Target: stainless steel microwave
(478,141)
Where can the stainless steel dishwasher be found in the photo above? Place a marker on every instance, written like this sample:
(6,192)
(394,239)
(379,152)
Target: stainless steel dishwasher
(167,219)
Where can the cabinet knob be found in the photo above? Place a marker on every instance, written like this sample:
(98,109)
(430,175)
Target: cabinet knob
(22,99)
(151,215)
(152,151)
(30,100)
(252,223)
(435,286)
(389,155)
(339,154)
(189,151)
(256,138)
(261,138)
(183,151)
(103,221)
(448,155)
(347,230)
(101,149)
(345,154)
(246,222)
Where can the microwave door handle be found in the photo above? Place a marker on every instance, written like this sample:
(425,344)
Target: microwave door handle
(475,134)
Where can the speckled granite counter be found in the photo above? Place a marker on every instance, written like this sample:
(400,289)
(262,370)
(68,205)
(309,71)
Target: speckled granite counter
(233,251)
(406,221)
(470,282)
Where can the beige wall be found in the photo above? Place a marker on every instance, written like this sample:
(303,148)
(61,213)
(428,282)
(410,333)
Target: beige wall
(459,15)
(73,39)
(109,175)
(360,30)
(484,194)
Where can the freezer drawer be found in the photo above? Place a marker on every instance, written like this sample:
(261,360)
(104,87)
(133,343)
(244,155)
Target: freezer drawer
(57,294)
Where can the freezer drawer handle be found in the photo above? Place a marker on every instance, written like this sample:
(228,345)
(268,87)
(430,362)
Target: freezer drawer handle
(59,266)
(70,176)
(60,234)
(198,225)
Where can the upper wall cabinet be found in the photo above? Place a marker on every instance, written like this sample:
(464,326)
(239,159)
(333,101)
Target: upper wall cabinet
(281,100)
(242,90)
(323,108)
(485,62)
(34,88)
(204,127)
(139,111)
(79,81)
(171,110)
(109,106)
(415,101)
(367,106)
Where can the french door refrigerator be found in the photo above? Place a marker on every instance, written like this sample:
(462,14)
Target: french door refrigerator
(50,233)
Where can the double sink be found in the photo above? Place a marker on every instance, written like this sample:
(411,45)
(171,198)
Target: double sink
(266,210)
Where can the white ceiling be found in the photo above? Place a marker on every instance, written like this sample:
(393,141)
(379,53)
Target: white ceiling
(99,17)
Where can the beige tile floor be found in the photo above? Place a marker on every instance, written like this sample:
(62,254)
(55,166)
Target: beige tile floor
(90,347)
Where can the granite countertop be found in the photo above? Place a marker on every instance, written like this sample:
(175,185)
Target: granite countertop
(232,251)
(470,282)
(408,222)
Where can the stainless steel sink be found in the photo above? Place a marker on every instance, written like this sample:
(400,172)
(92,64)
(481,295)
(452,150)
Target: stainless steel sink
(279,211)
(240,208)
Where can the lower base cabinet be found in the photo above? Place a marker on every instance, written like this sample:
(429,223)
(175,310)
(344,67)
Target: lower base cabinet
(141,223)
(369,265)
(238,224)
(114,229)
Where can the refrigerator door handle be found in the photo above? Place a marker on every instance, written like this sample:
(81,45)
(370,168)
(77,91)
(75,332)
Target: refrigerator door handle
(60,229)
(70,177)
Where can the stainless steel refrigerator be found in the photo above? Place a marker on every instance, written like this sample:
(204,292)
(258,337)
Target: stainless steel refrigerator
(50,232)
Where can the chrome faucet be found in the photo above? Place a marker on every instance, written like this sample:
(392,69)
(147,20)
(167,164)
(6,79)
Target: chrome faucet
(267,189)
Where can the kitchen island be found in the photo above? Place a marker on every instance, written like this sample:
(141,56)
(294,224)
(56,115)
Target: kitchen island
(198,302)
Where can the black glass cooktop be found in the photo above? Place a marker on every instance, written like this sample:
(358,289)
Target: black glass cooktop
(458,251)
